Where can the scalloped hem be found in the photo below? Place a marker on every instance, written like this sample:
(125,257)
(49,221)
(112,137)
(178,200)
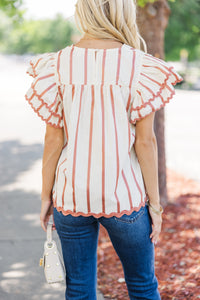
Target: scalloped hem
(155,109)
(30,74)
(42,117)
(99,215)
(160,90)
(35,94)
(32,71)
(34,67)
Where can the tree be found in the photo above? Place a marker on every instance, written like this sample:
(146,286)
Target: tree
(12,8)
(153,18)
(183,31)
(35,36)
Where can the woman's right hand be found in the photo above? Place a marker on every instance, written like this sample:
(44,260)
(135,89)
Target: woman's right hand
(156,225)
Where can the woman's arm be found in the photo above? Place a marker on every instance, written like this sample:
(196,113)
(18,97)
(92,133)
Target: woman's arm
(53,144)
(146,150)
(147,153)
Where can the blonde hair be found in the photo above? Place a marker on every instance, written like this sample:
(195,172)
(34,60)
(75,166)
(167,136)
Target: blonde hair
(109,19)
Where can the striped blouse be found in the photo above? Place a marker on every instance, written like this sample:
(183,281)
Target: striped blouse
(97,96)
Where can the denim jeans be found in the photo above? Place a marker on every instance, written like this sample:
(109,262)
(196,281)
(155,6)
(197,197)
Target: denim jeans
(130,238)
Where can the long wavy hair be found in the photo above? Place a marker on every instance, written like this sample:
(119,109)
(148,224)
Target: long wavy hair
(109,19)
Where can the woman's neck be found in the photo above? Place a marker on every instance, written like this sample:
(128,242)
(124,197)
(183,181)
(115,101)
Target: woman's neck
(90,42)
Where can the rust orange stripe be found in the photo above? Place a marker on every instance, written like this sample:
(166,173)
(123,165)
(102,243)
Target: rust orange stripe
(34,66)
(174,74)
(129,136)
(116,144)
(118,65)
(118,203)
(63,194)
(57,107)
(129,100)
(140,96)
(49,88)
(60,93)
(64,89)
(161,97)
(65,126)
(103,131)
(169,89)
(133,70)
(169,69)
(131,81)
(158,68)
(129,193)
(103,150)
(153,58)
(59,121)
(37,62)
(75,150)
(43,77)
(34,72)
(139,113)
(73,91)
(152,107)
(42,104)
(65,145)
(151,79)
(54,102)
(58,65)
(50,116)
(85,67)
(146,87)
(90,149)
(103,67)
(71,64)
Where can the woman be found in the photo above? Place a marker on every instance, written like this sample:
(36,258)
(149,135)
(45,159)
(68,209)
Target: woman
(99,98)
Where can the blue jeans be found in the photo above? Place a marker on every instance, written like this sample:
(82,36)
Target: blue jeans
(130,238)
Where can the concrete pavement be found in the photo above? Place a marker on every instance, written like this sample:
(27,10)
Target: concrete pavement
(21,237)
(182,136)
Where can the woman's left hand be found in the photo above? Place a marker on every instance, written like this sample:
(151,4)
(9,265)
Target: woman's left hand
(156,225)
(46,212)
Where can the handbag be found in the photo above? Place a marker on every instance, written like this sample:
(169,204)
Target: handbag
(51,261)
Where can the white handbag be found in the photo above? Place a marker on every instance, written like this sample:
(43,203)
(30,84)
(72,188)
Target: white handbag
(52,262)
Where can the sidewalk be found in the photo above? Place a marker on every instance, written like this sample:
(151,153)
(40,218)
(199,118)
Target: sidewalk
(21,236)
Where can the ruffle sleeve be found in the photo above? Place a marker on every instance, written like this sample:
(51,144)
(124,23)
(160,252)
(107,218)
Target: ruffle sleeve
(44,95)
(154,88)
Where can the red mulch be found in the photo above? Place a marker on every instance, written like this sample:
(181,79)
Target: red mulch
(177,260)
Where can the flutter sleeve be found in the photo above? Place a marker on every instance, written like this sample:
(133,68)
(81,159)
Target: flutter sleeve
(154,88)
(44,94)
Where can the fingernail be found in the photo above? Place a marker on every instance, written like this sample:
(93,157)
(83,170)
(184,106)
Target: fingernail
(155,242)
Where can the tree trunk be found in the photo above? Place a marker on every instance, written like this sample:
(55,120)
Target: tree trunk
(152,22)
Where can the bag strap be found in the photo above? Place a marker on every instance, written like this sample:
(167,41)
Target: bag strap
(49,232)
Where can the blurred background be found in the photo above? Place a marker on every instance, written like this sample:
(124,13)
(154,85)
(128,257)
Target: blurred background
(28,28)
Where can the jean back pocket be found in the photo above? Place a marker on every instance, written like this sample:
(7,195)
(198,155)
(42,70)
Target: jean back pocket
(132,217)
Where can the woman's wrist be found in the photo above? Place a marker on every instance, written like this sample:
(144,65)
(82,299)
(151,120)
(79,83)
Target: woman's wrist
(156,208)
(45,197)
(154,201)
